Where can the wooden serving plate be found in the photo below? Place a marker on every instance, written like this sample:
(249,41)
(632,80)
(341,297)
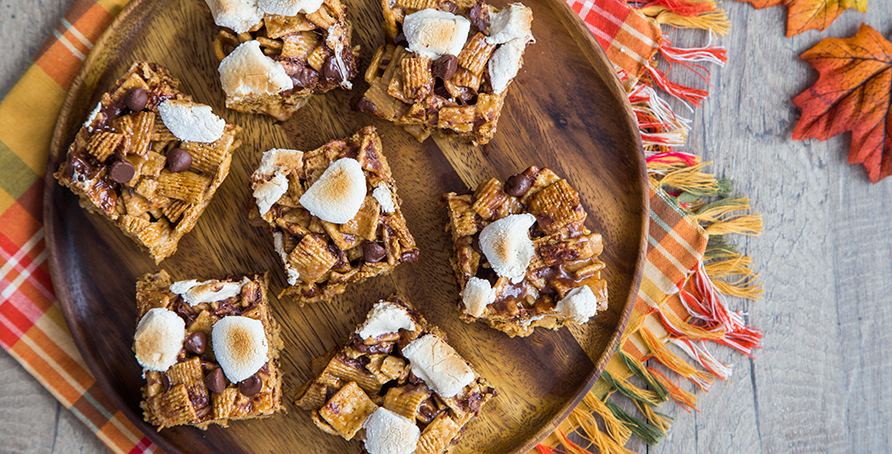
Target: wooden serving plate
(565,110)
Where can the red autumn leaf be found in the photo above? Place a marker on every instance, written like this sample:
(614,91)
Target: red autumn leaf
(853,93)
(805,15)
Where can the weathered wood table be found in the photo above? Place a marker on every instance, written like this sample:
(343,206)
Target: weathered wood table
(821,382)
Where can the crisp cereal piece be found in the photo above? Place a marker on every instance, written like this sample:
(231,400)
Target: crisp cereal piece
(347,410)
(475,51)
(323,245)
(116,163)
(516,279)
(423,415)
(274,56)
(197,386)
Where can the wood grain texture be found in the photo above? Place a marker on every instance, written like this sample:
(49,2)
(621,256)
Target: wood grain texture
(539,379)
(821,383)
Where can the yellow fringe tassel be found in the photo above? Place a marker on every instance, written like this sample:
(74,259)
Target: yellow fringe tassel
(644,395)
(668,164)
(739,265)
(691,179)
(607,445)
(749,224)
(715,21)
(735,265)
(660,422)
(615,428)
(713,214)
(632,327)
(681,395)
(661,353)
(741,290)
(690,331)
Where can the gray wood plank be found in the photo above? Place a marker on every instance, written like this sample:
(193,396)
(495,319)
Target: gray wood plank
(818,385)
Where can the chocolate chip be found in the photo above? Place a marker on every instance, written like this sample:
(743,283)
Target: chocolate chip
(362,104)
(487,274)
(440,90)
(136,99)
(517,185)
(475,244)
(401,40)
(250,386)
(373,252)
(447,6)
(445,66)
(165,383)
(196,342)
(122,171)
(479,16)
(215,381)
(331,71)
(110,112)
(178,160)
(305,78)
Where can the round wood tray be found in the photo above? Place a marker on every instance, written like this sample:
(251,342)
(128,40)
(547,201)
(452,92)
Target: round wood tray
(565,110)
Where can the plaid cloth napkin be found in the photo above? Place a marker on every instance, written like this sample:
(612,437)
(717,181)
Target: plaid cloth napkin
(31,326)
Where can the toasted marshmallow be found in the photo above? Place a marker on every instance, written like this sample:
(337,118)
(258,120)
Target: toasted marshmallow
(338,194)
(386,318)
(159,339)
(93,116)
(335,42)
(239,15)
(505,63)
(279,244)
(246,70)
(389,433)
(433,33)
(289,7)
(190,121)
(512,22)
(194,292)
(384,197)
(275,159)
(478,294)
(437,363)
(507,245)
(240,346)
(269,192)
(579,305)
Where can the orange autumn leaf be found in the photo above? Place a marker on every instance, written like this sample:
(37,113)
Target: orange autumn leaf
(853,93)
(805,15)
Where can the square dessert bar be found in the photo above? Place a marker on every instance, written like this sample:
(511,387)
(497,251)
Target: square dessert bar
(448,68)
(149,159)
(522,255)
(209,350)
(334,214)
(275,54)
(397,385)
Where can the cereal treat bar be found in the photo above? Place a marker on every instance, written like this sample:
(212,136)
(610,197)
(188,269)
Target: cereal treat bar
(275,54)
(448,68)
(149,159)
(522,255)
(397,385)
(209,351)
(334,214)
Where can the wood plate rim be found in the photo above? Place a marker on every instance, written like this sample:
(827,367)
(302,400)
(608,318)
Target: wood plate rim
(598,60)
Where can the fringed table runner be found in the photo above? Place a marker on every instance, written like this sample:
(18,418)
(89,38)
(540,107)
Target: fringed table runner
(678,307)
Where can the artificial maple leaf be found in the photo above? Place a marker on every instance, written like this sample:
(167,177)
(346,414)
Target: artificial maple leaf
(853,93)
(805,15)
